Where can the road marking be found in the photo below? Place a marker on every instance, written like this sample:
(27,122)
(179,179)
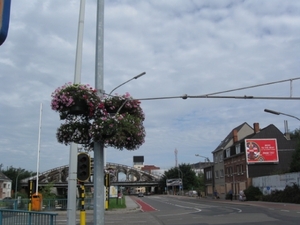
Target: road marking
(283,210)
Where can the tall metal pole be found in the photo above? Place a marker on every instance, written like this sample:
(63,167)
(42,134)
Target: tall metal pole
(72,178)
(98,147)
(38,152)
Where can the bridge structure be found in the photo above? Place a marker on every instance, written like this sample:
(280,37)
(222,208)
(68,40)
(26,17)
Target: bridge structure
(120,175)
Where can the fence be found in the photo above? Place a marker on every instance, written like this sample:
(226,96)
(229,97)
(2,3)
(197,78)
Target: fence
(10,217)
(47,204)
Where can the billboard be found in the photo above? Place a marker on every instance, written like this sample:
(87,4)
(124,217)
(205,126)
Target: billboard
(261,150)
(174,182)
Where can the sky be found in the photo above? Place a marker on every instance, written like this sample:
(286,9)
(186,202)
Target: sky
(185,47)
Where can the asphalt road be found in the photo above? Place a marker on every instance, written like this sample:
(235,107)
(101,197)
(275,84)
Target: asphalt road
(173,210)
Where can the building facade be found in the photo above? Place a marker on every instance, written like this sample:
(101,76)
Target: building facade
(244,161)
(218,182)
(5,186)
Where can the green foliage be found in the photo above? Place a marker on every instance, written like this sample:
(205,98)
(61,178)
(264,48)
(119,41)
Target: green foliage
(17,174)
(291,194)
(201,182)
(185,172)
(253,193)
(295,164)
(117,203)
(46,191)
(295,135)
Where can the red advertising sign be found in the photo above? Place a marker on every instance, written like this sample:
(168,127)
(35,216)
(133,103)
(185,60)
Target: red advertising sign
(261,150)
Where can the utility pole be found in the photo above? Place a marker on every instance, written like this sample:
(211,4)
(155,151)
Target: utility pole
(98,146)
(72,180)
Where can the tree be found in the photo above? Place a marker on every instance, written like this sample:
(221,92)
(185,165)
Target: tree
(295,164)
(183,171)
(201,181)
(47,192)
(295,135)
(17,174)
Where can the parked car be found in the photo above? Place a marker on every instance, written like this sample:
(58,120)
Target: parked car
(193,193)
(141,194)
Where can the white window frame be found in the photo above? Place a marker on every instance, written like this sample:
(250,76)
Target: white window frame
(238,149)
(227,152)
(221,173)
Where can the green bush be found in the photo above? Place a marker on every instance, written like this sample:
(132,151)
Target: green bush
(253,193)
(291,194)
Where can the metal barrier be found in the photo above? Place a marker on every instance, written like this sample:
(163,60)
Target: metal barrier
(47,204)
(12,217)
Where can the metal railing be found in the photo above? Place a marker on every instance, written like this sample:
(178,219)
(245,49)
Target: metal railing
(47,204)
(12,217)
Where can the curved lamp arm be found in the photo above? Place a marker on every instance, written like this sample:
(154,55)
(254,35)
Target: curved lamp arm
(280,113)
(136,77)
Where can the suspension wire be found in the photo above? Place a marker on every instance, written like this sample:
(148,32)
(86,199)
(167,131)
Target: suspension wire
(185,96)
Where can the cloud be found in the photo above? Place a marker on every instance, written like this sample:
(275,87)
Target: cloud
(185,47)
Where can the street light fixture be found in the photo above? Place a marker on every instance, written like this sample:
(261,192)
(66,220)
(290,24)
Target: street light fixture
(181,180)
(135,77)
(280,113)
(16,192)
(206,158)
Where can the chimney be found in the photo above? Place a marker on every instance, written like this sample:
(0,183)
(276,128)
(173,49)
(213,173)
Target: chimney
(235,136)
(256,127)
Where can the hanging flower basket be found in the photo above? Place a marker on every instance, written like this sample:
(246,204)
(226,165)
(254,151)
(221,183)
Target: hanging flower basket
(120,131)
(123,104)
(75,100)
(77,132)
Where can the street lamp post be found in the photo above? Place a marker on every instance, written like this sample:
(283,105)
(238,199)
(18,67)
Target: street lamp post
(16,192)
(181,180)
(135,77)
(280,113)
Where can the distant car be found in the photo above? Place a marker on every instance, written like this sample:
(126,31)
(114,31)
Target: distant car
(192,193)
(141,194)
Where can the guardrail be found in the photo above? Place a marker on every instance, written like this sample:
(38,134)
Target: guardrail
(10,217)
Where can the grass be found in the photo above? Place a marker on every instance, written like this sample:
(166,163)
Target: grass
(117,203)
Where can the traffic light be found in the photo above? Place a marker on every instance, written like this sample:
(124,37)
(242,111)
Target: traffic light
(83,167)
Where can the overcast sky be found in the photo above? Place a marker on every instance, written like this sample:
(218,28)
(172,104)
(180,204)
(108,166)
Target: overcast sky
(184,46)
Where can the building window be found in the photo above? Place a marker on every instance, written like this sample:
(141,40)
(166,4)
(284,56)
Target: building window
(238,149)
(208,175)
(221,157)
(242,169)
(217,174)
(227,152)
(238,169)
(222,173)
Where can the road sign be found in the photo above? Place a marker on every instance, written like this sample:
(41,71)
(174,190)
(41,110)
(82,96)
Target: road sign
(4,19)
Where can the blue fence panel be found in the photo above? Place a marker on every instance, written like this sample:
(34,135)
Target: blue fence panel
(11,217)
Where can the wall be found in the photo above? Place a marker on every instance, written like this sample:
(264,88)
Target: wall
(275,182)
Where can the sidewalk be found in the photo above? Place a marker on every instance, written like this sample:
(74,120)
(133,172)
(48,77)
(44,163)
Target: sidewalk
(131,206)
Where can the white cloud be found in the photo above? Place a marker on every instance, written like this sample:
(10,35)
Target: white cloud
(186,47)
